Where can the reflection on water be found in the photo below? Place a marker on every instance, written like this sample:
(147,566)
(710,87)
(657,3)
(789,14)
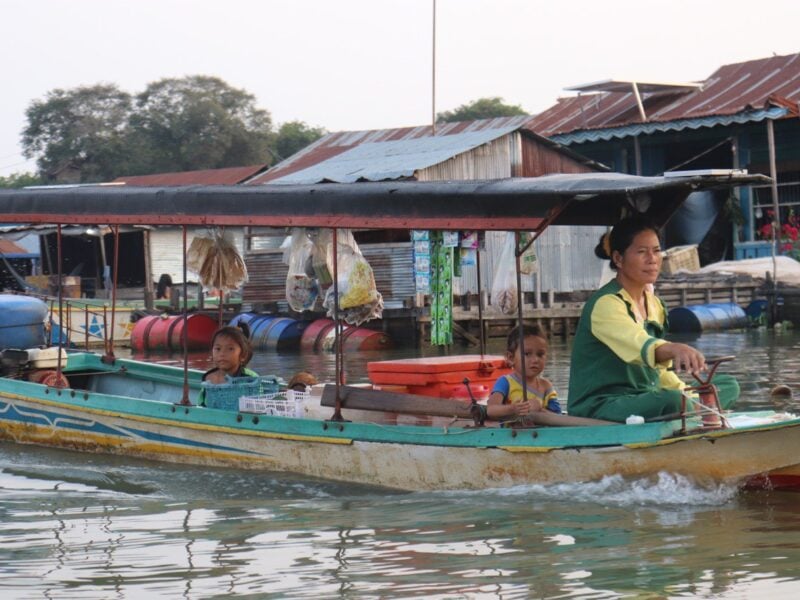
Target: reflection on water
(76,525)
(199,533)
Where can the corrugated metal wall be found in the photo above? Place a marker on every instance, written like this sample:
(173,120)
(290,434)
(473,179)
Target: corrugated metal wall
(391,265)
(566,253)
(489,161)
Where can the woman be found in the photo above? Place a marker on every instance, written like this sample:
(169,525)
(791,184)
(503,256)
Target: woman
(620,361)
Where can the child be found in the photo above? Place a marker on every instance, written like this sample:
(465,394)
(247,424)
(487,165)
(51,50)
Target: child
(506,400)
(301,380)
(230,352)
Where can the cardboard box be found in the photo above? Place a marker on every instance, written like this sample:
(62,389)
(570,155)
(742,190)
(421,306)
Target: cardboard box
(680,258)
(49,284)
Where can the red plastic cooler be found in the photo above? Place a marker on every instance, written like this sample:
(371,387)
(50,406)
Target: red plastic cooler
(441,376)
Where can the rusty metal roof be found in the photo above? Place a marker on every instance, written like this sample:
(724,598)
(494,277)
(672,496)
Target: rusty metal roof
(338,143)
(752,86)
(11,250)
(226,176)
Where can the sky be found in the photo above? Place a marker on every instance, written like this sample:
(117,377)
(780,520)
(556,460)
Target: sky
(367,64)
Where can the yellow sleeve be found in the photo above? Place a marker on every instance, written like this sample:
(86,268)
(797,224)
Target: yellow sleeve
(669,380)
(612,325)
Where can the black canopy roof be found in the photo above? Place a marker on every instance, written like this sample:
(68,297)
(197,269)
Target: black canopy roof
(506,204)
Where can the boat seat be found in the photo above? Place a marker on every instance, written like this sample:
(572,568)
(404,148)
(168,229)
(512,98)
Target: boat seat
(359,398)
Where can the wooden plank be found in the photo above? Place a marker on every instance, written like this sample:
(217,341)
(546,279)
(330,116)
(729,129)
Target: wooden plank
(357,398)
(367,399)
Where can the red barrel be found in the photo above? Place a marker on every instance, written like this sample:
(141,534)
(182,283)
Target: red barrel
(314,334)
(199,329)
(165,333)
(361,338)
(142,336)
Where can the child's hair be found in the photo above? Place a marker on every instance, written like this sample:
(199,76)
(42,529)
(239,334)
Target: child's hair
(512,343)
(302,378)
(621,236)
(238,336)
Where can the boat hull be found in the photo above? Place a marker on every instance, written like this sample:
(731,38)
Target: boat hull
(412,458)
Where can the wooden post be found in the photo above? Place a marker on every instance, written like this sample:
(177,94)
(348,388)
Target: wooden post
(149,295)
(773,173)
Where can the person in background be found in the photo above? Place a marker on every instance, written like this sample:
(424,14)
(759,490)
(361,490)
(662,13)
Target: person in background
(621,364)
(301,380)
(507,401)
(164,287)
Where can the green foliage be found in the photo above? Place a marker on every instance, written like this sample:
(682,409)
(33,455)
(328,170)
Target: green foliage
(98,133)
(483,108)
(82,129)
(19,180)
(294,136)
(198,122)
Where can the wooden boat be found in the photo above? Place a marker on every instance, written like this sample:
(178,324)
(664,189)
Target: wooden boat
(94,403)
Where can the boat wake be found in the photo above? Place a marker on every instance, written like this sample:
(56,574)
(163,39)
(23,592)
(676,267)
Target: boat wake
(661,489)
(38,479)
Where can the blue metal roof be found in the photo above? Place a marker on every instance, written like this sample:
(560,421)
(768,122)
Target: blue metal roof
(595,135)
(399,159)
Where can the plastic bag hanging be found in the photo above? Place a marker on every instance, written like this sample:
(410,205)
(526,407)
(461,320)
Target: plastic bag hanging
(359,299)
(217,261)
(302,288)
(504,284)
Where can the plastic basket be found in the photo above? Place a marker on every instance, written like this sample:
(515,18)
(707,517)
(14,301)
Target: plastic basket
(225,396)
(288,403)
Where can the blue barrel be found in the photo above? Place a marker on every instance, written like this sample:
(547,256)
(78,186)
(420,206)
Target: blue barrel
(285,334)
(22,321)
(707,317)
(259,329)
(241,318)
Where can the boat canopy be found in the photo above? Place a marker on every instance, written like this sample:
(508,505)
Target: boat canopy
(502,204)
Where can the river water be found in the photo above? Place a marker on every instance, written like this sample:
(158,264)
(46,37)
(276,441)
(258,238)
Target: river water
(84,526)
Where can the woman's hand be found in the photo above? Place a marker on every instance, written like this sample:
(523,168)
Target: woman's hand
(684,358)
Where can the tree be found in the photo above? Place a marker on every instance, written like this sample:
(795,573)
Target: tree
(19,180)
(294,136)
(98,133)
(483,108)
(197,122)
(83,129)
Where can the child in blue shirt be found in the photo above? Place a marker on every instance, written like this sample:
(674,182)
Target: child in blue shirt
(506,401)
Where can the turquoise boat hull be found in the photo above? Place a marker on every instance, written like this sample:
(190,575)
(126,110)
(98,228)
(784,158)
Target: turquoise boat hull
(129,408)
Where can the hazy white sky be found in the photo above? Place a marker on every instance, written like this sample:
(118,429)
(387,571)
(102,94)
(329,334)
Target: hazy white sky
(366,64)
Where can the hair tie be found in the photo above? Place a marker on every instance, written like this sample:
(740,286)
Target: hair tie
(607,244)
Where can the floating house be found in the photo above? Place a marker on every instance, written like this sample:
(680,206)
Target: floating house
(480,149)
(743,116)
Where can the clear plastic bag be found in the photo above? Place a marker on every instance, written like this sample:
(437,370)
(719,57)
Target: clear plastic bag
(301,289)
(359,299)
(504,285)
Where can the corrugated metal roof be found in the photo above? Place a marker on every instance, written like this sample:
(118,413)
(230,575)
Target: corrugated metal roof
(594,135)
(340,142)
(11,250)
(396,159)
(736,89)
(226,176)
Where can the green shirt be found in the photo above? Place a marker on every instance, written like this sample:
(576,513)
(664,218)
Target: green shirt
(614,350)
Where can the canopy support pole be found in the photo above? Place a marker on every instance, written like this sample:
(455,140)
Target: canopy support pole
(185,333)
